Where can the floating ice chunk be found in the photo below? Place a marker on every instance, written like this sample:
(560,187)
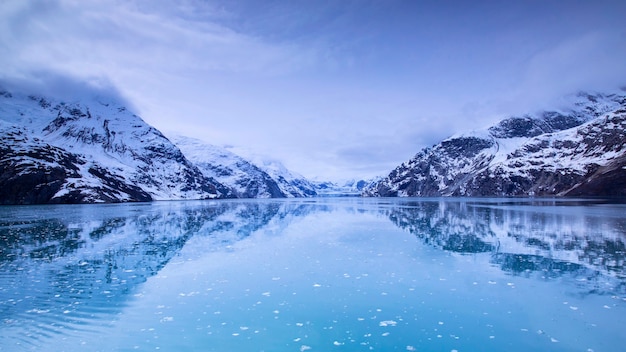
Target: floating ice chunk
(573,308)
(167,319)
(337,343)
(385,334)
(491,282)
(317,285)
(38,311)
(440,323)
(410,348)
(243,328)
(553,339)
(304,348)
(266,294)
(387,323)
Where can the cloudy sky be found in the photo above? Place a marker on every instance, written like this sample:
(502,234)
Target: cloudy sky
(332,88)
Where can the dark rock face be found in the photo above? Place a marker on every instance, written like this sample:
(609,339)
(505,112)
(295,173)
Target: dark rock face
(578,153)
(34,172)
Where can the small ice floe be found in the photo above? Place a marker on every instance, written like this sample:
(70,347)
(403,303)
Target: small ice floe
(275,278)
(304,348)
(243,328)
(166,319)
(606,307)
(337,343)
(553,339)
(387,323)
(317,285)
(491,337)
(491,282)
(299,324)
(410,348)
(573,308)
(385,334)
(297,339)
(440,323)
(235,334)
(266,294)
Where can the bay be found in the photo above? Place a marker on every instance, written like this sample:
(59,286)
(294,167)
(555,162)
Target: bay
(323,274)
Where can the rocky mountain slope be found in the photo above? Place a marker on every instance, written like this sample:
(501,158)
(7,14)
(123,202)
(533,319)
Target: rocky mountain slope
(579,150)
(291,183)
(246,179)
(55,151)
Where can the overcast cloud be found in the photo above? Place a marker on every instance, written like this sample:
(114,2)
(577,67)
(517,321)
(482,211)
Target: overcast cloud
(334,89)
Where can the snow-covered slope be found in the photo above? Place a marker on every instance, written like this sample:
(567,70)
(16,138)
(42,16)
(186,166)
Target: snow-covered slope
(290,183)
(92,150)
(246,179)
(578,150)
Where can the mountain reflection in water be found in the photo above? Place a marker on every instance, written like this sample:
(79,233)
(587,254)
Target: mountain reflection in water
(71,268)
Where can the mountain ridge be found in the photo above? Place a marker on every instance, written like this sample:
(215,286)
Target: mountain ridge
(551,153)
(92,150)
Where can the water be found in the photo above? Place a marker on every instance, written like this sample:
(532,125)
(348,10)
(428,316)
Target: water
(320,275)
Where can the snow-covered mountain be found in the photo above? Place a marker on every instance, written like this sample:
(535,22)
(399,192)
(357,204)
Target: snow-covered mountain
(575,151)
(246,180)
(90,150)
(350,187)
(290,183)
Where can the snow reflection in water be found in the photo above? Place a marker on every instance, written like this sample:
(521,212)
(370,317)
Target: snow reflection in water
(323,274)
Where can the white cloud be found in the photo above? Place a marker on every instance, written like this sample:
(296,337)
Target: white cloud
(593,61)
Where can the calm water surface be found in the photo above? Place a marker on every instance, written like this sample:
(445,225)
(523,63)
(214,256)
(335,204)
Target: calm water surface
(321,275)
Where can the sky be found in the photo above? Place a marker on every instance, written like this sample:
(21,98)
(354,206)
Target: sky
(334,89)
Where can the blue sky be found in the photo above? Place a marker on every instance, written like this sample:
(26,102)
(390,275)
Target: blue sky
(334,89)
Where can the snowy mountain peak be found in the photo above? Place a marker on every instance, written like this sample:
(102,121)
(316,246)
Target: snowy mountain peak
(246,179)
(93,151)
(579,149)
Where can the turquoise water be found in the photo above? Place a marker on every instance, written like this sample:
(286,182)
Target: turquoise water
(345,274)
